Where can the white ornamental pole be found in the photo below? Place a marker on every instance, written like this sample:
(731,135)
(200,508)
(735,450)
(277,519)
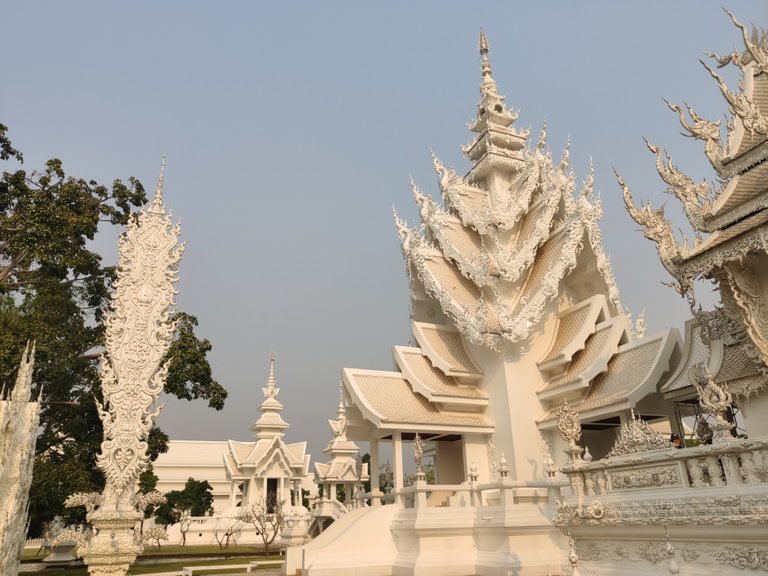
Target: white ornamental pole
(19,419)
(138,334)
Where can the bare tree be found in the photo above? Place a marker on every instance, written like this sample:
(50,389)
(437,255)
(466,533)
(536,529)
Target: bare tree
(267,516)
(153,535)
(225,530)
(185,520)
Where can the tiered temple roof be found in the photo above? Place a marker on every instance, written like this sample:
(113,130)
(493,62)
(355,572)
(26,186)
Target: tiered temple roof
(508,248)
(434,389)
(595,364)
(727,363)
(499,249)
(631,374)
(730,219)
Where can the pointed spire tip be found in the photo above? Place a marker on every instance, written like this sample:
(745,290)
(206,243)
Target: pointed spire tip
(158,201)
(482,43)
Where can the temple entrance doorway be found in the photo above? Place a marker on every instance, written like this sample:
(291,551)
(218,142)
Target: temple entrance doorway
(271,494)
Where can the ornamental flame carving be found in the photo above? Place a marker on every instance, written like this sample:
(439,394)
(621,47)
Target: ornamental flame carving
(636,437)
(728,219)
(19,420)
(495,253)
(138,334)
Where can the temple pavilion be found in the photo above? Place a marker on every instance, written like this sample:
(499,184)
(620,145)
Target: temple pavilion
(267,468)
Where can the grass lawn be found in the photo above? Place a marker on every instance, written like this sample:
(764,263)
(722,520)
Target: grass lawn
(245,555)
(168,550)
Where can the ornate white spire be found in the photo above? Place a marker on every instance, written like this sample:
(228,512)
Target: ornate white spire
(341,410)
(270,392)
(157,203)
(489,84)
(270,424)
(340,444)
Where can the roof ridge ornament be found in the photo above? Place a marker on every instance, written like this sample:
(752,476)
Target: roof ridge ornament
(658,229)
(755,48)
(704,130)
(741,105)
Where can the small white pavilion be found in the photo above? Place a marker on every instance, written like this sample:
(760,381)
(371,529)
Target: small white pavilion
(343,469)
(267,468)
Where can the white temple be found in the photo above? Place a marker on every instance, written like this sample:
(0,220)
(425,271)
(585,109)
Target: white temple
(533,389)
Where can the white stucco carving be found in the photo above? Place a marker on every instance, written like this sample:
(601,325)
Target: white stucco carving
(138,335)
(636,436)
(19,420)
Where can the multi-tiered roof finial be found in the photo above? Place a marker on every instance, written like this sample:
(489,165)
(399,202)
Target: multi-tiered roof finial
(270,423)
(341,410)
(270,392)
(482,46)
(157,203)
(488,87)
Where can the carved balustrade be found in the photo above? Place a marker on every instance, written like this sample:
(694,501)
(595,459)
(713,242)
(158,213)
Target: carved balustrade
(725,464)
(504,492)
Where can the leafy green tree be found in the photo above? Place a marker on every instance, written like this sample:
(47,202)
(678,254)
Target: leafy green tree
(196,498)
(54,290)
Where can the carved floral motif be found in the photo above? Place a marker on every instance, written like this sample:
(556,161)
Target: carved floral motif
(745,556)
(726,511)
(697,557)
(645,477)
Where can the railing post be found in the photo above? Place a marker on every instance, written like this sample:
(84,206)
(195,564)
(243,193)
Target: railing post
(731,469)
(715,471)
(420,496)
(472,483)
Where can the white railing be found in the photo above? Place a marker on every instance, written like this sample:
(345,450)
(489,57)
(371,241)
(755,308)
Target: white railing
(503,492)
(729,463)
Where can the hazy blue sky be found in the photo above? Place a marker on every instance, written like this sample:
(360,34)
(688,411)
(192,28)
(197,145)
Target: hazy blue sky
(292,128)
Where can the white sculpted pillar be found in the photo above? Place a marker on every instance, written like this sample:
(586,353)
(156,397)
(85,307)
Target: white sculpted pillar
(397,459)
(138,334)
(19,419)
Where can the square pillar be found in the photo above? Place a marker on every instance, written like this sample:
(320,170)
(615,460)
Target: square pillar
(374,465)
(397,459)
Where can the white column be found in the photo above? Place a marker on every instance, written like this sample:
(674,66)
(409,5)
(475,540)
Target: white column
(397,459)
(232,491)
(374,465)
(252,490)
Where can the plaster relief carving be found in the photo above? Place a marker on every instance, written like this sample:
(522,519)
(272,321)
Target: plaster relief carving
(138,335)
